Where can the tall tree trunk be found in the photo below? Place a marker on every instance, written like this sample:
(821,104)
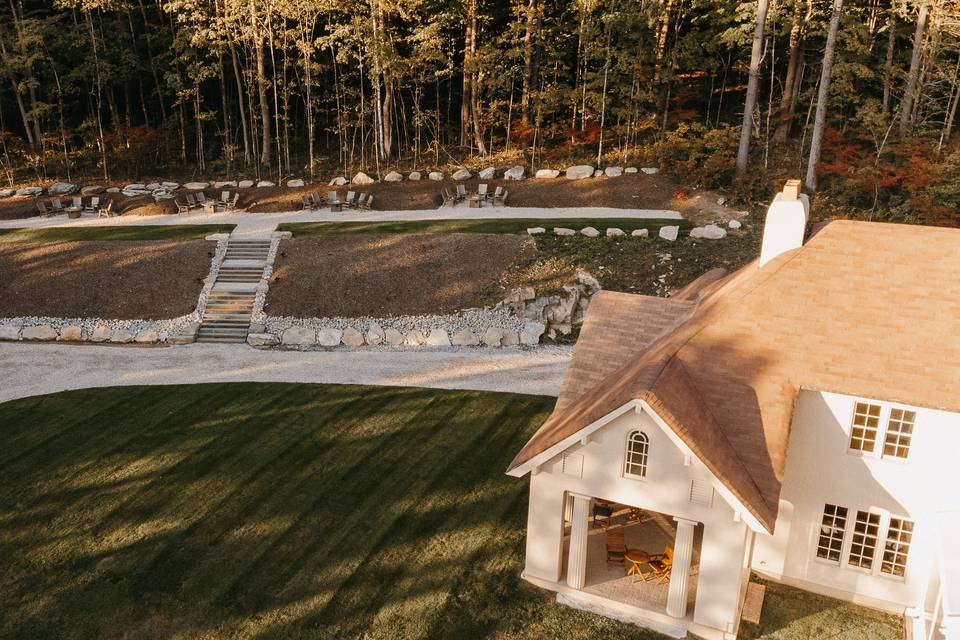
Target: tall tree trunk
(756,53)
(241,102)
(27,129)
(888,64)
(787,103)
(99,95)
(153,63)
(261,85)
(660,42)
(529,58)
(823,95)
(468,106)
(907,104)
(306,48)
(951,109)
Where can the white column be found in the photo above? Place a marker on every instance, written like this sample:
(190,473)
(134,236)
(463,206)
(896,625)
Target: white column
(579,530)
(680,573)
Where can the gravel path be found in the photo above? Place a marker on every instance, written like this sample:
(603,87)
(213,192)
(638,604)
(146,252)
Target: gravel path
(251,225)
(34,369)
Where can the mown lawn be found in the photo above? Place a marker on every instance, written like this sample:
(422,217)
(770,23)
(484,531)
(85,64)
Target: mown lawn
(139,232)
(493,225)
(271,511)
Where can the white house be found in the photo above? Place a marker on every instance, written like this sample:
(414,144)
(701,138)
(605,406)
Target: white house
(799,418)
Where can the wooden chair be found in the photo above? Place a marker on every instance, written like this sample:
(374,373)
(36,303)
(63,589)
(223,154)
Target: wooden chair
(500,197)
(333,200)
(308,203)
(602,509)
(660,566)
(93,206)
(187,204)
(56,206)
(616,547)
(448,198)
(78,202)
(106,210)
(461,193)
(42,208)
(231,204)
(369,204)
(482,190)
(362,201)
(224,198)
(351,199)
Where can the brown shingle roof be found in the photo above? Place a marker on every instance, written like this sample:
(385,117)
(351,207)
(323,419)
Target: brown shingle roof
(866,309)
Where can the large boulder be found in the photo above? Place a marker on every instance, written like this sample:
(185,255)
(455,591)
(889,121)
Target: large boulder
(170,186)
(435,175)
(536,231)
(196,186)
(223,184)
(579,172)
(650,171)
(438,338)
(375,334)
(329,337)
(514,173)
(121,336)
(339,181)
(10,331)
(492,337)
(92,190)
(147,336)
(262,340)
(488,174)
(245,184)
(615,231)
(734,224)
(640,233)
(530,335)
(62,189)
(669,232)
(630,170)
(563,231)
(101,333)
(71,333)
(260,184)
(709,232)
(613,172)
(135,186)
(352,337)
(461,174)
(510,339)
(299,337)
(39,332)
(362,179)
(590,232)
(296,182)
(6,193)
(415,338)
(393,176)
(414,175)
(392,337)
(597,173)
(547,173)
(30,191)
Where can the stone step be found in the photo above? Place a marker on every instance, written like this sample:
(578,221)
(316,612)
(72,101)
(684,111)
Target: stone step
(223,339)
(243,264)
(250,287)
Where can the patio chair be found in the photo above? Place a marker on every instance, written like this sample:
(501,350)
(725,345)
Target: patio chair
(307,201)
(187,204)
(351,199)
(362,201)
(369,203)
(106,210)
(602,509)
(200,197)
(231,204)
(616,547)
(78,202)
(42,208)
(93,206)
(224,197)
(56,206)
(660,566)
(333,200)
(448,198)
(482,190)
(461,193)
(317,200)
(501,198)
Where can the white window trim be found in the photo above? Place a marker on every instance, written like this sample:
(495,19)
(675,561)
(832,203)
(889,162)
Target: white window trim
(883,531)
(626,453)
(884,422)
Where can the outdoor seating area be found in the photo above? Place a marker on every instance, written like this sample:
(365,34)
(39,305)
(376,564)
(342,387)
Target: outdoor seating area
(224,202)
(76,206)
(630,555)
(313,201)
(482,197)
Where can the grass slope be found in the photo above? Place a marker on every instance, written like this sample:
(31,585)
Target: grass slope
(270,510)
(140,232)
(496,225)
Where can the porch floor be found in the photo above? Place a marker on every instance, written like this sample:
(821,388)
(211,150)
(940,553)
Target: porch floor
(610,581)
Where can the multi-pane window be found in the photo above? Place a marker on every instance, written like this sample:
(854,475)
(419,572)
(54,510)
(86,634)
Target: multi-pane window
(638,448)
(899,433)
(863,543)
(863,432)
(832,528)
(899,535)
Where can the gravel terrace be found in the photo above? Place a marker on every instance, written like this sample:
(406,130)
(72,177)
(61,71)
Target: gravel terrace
(390,274)
(107,279)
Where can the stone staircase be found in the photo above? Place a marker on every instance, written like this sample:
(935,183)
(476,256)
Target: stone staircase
(230,302)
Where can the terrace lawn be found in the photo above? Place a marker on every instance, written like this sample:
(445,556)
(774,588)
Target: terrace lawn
(270,511)
(129,232)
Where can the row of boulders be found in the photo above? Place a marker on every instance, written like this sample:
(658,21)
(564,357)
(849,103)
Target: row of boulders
(590,232)
(667,232)
(159,190)
(105,332)
(517,172)
(301,337)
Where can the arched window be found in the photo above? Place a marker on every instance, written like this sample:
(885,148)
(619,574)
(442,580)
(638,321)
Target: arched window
(635,462)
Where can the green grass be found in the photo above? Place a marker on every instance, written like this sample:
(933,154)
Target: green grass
(292,511)
(496,225)
(271,511)
(139,232)
(793,614)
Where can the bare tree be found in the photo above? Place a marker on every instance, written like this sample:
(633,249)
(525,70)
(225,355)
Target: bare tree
(753,84)
(907,104)
(823,94)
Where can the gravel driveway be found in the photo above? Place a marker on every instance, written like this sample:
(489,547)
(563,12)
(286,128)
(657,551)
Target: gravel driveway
(34,369)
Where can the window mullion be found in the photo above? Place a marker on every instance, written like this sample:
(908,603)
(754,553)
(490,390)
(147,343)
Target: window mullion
(881,543)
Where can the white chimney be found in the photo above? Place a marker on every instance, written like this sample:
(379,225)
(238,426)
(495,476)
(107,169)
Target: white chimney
(786,223)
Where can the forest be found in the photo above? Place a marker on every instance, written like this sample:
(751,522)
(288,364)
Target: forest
(858,97)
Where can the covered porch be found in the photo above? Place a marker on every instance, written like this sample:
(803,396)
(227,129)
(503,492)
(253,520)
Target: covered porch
(593,562)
